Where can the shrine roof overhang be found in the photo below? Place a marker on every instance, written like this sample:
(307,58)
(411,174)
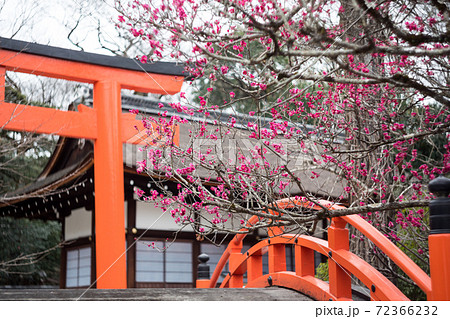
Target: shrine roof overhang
(167,68)
(57,191)
(67,183)
(68,165)
(48,196)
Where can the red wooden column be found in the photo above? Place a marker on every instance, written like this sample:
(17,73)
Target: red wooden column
(304,261)
(2,83)
(254,266)
(439,239)
(277,258)
(109,192)
(237,280)
(340,280)
(439,249)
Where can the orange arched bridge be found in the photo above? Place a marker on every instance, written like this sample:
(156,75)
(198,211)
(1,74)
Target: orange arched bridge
(109,128)
(342,262)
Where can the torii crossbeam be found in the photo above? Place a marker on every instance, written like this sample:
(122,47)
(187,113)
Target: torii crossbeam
(104,123)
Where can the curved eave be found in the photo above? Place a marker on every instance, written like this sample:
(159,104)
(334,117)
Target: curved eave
(57,152)
(48,185)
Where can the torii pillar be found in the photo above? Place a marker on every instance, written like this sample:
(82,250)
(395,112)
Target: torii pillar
(105,124)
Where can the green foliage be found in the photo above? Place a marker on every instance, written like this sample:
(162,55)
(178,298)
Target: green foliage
(415,245)
(410,245)
(21,160)
(243,102)
(322,271)
(22,237)
(246,97)
(22,155)
(22,242)
(221,94)
(430,150)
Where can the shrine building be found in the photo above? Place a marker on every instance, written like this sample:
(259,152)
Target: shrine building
(68,188)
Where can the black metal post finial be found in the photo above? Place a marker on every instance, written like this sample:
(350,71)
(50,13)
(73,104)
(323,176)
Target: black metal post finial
(203,267)
(440,207)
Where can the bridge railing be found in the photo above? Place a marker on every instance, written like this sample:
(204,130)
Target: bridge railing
(342,263)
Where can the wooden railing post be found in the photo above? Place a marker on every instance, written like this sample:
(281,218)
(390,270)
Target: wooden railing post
(277,258)
(340,279)
(304,261)
(254,266)
(237,279)
(439,239)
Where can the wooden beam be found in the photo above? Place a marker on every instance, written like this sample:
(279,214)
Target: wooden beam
(81,124)
(42,120)
(90,73)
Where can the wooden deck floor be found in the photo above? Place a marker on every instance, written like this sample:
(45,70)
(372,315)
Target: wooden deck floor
(155,294)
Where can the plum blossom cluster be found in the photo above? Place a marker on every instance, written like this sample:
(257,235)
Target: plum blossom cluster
(358,91)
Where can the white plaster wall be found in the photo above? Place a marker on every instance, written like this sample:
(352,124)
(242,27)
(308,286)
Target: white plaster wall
(78,224)
(150,217)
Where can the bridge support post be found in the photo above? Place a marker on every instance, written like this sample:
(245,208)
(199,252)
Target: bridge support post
(237,280)
(277,258)
(254,266)
(340,279)
(304,261)
(439,239)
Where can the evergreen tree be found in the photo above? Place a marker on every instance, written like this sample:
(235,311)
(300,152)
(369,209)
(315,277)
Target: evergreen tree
(29,253)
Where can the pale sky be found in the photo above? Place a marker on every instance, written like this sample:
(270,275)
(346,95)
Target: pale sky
(50,21)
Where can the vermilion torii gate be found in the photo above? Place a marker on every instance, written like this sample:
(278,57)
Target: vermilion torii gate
(104,123)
